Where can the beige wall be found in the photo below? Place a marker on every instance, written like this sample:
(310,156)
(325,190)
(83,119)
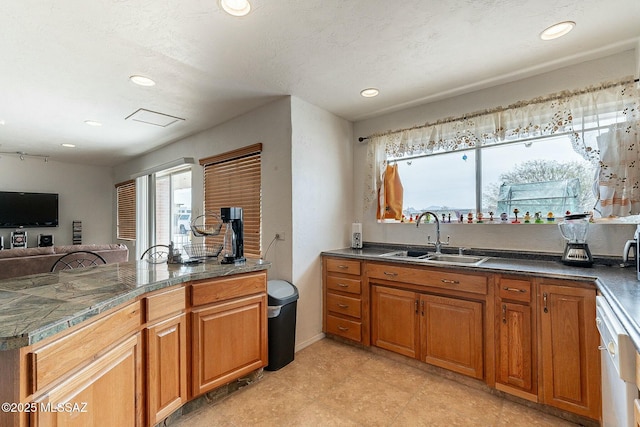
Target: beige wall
(84,194)
(603,240)
(322,194)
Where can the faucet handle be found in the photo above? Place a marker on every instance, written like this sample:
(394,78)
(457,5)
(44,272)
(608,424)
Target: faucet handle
(447,242)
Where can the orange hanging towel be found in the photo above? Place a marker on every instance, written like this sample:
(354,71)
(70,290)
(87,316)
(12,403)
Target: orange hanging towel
(390,195)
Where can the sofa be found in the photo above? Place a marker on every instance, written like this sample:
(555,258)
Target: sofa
(24,261)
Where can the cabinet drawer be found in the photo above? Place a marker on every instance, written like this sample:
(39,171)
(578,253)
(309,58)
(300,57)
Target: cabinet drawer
(61,356)
(343,305)
(434,278)
(343,266)
(352,286)
(345,328)
(209,291)
(513,289)
(165,303)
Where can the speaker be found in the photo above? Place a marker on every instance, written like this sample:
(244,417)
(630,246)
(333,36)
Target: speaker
(18,239)
(45,240)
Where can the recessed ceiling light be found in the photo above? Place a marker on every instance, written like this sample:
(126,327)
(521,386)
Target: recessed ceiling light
(557,30)
(236,7)
(142,80)
(93,123)
(68,145)
(370,92)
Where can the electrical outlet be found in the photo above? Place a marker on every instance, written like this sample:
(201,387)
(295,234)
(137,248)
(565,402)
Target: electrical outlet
(280,235)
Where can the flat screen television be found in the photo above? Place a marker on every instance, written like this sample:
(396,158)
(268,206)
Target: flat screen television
(19,209)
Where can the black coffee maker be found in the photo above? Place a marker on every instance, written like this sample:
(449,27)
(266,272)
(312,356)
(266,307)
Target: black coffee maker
(233,247)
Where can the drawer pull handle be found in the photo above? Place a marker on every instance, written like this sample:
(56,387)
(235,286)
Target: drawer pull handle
(391,274)
(343,266)
(342,285)
(453,282)
(343,329)
(343,305)
(504,313)
(506,288)
(544,302)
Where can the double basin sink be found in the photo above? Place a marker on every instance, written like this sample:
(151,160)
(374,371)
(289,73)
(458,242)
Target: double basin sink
(433,258)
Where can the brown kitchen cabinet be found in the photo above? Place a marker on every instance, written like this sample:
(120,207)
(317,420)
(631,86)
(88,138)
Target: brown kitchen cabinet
(428,314)
(83,368)
(451,332)
(166,335)
(228,330)
(343,300)
(516,362)
(105,392)
(570,359)
(394,320)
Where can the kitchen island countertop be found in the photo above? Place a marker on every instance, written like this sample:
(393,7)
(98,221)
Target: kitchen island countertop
(38,306)
(620,286)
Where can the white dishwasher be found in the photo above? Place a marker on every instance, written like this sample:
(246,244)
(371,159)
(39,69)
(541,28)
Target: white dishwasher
(618,368)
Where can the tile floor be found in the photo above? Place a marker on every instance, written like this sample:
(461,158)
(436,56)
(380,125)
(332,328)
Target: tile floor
(334,384)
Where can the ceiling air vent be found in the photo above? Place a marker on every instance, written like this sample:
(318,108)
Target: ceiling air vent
(153,118)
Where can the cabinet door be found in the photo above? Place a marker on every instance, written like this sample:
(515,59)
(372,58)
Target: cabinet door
(106,392)
(229,340)
(515,347)
(394,320)
(452,334)
(569,346)
(166,367)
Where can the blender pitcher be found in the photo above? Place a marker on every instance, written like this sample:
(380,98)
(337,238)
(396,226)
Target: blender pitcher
(574,228)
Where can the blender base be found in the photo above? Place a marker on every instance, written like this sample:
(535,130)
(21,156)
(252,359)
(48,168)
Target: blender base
(578,255)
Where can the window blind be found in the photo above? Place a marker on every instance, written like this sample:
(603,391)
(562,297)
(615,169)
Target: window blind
(233,179)
(126,210)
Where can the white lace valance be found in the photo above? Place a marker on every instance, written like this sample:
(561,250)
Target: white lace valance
(572,113)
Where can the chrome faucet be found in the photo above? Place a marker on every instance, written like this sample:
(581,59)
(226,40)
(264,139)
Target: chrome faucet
(438,244)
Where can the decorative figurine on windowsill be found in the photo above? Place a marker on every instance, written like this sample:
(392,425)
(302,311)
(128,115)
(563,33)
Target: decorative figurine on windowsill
(504,217)
(538,218)
(479,217)
(550,217)
(469,218)
(515,212)
(491,216)
(527,218)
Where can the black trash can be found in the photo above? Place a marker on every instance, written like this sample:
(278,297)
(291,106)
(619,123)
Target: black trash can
(283,301)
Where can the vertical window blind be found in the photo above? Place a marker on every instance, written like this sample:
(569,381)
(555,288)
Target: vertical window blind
(126,210)
(233,179)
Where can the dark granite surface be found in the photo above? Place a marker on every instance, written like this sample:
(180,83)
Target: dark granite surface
(619,286)
(38,306)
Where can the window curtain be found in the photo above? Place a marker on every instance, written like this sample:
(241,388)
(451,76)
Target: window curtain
(576,114)
(619,171)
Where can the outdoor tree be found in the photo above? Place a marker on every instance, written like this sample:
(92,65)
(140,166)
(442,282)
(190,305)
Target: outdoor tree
(542,171)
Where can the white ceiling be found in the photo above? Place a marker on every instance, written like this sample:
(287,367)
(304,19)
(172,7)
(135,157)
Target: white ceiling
(64,62)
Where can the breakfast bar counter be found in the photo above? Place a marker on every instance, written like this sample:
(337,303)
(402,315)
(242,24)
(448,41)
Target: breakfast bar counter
(38,306)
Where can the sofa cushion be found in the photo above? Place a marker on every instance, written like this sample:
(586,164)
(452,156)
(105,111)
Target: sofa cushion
(20,252)
(93,248)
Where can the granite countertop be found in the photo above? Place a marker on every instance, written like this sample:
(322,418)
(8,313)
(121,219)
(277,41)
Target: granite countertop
(38,306)
(620,286)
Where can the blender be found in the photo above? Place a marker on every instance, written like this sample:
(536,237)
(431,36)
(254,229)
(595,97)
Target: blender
(574,228)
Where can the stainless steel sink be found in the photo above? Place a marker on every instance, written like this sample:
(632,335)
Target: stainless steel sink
(457,259)
(433,258)
(417,254)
